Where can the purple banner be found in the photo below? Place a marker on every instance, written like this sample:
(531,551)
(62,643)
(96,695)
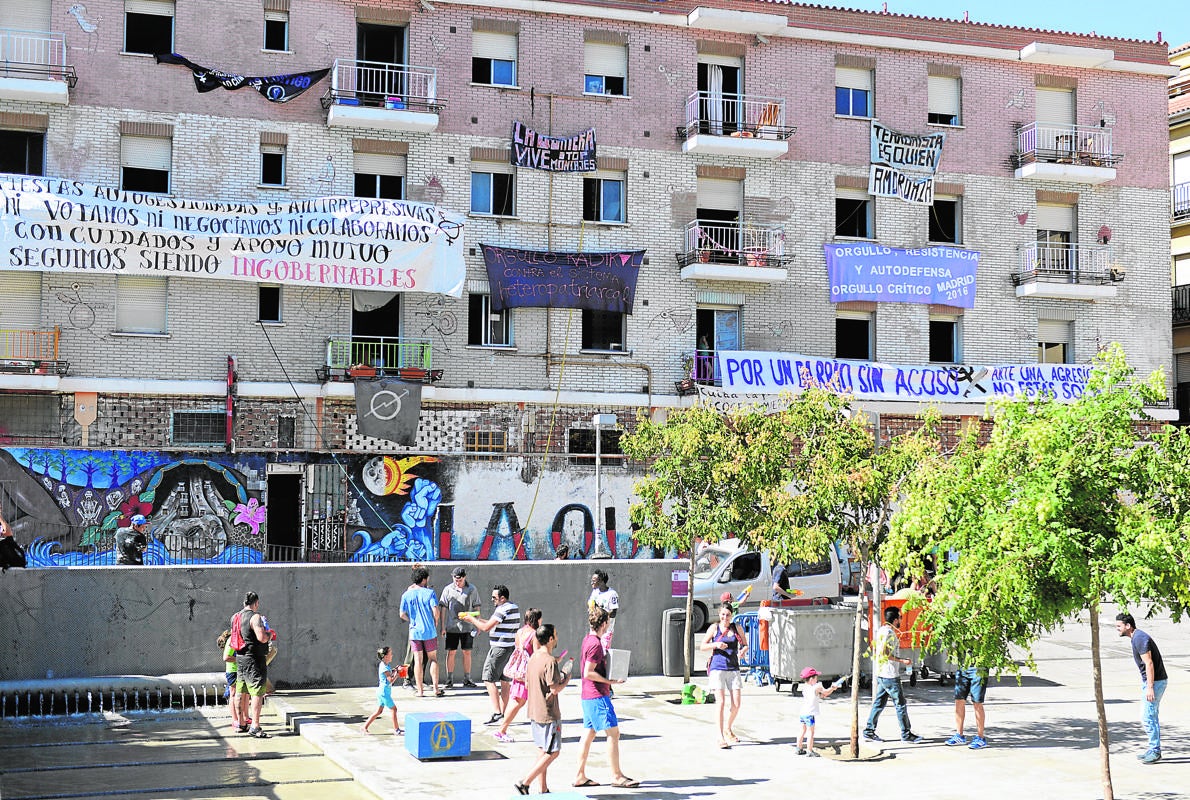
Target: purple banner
(543,278)
(932,275)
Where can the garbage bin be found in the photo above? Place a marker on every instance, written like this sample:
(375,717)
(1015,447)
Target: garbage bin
(673,628)
(818,636)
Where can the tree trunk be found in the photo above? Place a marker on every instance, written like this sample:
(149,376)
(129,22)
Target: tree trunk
(856,655)
(689,631)
(1100,711)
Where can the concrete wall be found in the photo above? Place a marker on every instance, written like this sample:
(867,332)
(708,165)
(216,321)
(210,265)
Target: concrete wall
(87,621)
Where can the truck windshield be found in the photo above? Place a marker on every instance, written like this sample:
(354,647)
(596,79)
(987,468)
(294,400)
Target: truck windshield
(708,561)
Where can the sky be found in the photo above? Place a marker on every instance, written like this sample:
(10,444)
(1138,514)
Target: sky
(1137,19)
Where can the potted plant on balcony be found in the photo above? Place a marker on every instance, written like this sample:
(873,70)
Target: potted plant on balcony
(361,371)
(687,384)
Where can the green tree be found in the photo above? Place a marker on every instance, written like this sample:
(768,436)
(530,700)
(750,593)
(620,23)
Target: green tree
(1064,504)
(711,476)
(846,485)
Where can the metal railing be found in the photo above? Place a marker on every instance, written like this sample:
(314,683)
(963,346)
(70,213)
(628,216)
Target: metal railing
(1058,262)
(35,345)
(1179,198)
(383,353)
(1181,303)
(1087,145)
(375,83)
(743,244)
(40,55)
(704,368)
(740,115)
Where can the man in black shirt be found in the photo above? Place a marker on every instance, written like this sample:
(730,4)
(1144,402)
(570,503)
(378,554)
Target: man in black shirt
(131,542)
(1153,679)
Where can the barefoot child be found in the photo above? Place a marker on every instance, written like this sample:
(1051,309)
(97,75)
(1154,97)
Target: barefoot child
(229,667)
(386,677)
(812,694)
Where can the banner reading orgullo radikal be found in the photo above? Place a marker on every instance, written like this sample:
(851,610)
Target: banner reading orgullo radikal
(76,228)
(544,278)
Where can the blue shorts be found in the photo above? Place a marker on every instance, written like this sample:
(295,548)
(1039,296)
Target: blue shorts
(807,719)
(599,715)
(971,681)
(231,683)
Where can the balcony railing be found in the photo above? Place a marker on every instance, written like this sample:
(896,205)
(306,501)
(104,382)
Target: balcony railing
(704,368)
(742,244)
(381,85)
(366,356)
(1057,262)
(1181,303)
(37,55)
(1084,145)
(739,115)
(1180,202)
(30,352)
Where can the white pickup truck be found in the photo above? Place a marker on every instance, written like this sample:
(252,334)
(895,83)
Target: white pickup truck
(728,567)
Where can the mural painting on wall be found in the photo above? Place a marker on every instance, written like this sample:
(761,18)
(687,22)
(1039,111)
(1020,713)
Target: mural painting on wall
(69,504)
(399,508)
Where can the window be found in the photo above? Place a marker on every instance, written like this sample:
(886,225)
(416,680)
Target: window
(944,101)
(606,68)
(141,304)
(853,336)
(272,165)
(380,175)
(276,30)
(485,327)
(1055,237)
(145,163)
(603,197)
(603,330)
(580,443)
(493,189)
(268,303)
(1181,270)
(944,221)
(22,152)
(799,569)
(485,445)
(199,427)
(493,58)
(945,340)
(287,432)
(1053,341)
(853,92)
(21,309)
(148,26)
(853,216)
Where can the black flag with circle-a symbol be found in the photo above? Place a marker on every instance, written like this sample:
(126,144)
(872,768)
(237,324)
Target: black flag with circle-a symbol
(388,408)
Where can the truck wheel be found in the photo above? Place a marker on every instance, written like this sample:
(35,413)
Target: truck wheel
(699,623)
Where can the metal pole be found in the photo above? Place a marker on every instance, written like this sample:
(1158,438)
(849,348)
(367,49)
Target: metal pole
(597,511)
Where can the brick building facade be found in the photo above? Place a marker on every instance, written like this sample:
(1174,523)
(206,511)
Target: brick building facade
(1054,169)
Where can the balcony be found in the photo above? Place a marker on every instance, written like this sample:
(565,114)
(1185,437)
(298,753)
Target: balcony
(1179,198)
(1076,153)
(33,67)
(391,97)
(1181,304)
(731,251)
(350,357)
(1065,272)
(735,125)
(30,352)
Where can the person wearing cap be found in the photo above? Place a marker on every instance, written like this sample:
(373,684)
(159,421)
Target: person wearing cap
(460,597)
(11,552)
(131,542)
(812,694)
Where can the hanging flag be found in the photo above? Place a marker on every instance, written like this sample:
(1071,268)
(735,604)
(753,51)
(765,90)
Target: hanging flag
(387,408)
(276,88)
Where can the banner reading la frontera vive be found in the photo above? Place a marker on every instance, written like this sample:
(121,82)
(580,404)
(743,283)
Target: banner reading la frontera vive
(873,272)
(544,278)
(275,88)
(758,373)
(903,164)
(538,151)
(75,228)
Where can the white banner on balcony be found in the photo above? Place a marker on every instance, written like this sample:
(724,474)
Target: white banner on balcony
(747,372)
(75,228)
(904,164)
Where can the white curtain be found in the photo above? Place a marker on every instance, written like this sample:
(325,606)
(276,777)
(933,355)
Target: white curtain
(715,99)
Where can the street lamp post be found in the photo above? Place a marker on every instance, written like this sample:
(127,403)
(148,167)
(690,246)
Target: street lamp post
(599,421)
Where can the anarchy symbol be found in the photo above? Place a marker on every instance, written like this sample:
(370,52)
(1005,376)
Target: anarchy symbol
(442,736)
(386,404)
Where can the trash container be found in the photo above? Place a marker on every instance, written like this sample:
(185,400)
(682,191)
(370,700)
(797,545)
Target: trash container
(673,628)
(821,637)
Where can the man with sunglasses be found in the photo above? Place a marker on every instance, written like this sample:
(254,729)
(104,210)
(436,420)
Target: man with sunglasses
(502,627)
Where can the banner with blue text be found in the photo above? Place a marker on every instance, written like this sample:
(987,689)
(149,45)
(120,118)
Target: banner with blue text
(757,373)
(75,228)
(873,272)
(548,279)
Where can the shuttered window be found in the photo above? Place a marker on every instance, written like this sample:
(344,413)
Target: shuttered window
(606,68)
(160,8)
(21,308)
(27,15)
(493,45)
(1182,367)
(493,58)
(148,26)
(945,100)
(1181,270)
(141,304)
(380,175)
(379,164)
(1053,341)
(1054,106)
(145,163)
(853,92)
(1055,218)
(720,193)
(1181,169)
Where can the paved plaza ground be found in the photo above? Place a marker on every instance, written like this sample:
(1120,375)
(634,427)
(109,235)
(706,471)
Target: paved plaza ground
(1041,731)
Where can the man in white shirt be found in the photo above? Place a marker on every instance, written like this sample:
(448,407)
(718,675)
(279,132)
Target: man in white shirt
(887,663)
(603,596)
